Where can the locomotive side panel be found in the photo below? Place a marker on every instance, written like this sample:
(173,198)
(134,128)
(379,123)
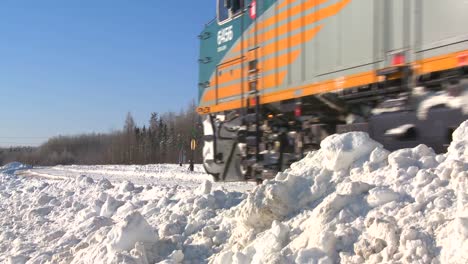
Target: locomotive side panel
(397,15)
(327,45)
(346,44)
(337,38)
(357,23)
(443,24)
(439,34)
(314,46)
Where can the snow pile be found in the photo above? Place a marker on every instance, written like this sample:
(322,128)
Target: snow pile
(11,168)
(85,220)
(354,202)
(458,150)
(351,202)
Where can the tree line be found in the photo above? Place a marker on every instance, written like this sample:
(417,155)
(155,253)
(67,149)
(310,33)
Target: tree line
(165,138)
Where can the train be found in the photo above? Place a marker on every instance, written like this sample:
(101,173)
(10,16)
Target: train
(278,76)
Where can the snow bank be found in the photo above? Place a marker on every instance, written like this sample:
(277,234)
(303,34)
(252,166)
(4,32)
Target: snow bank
(351,202)
(354,202)
(12,167)
(85,220)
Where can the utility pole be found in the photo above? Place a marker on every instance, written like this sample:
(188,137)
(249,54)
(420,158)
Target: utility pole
(181,151)
(193,146)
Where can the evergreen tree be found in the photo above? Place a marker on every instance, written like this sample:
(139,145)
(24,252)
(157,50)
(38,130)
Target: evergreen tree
(160,142)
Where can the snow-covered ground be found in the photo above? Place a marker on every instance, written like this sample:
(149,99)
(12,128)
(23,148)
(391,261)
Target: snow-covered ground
(350,202)
(165,175)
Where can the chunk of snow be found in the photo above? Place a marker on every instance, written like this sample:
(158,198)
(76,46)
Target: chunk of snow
(110,206)
(205,187)
(342,150)
(398,131)
(380,196)
(105,184)
(133,229)
(458,149)
(126,186)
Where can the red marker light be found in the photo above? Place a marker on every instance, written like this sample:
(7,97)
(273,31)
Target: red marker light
(463,59)
(253,9)
(253,101)
(298,111)
(398,59)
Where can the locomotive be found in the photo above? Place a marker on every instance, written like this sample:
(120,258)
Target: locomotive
(278,76)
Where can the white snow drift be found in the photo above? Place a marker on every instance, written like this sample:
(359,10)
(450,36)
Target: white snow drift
(350,202)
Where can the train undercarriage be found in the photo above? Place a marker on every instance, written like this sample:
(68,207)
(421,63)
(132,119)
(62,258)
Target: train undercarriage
(260,140)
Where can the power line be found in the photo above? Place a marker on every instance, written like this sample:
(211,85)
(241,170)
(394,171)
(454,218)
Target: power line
(24,137)
(17,143)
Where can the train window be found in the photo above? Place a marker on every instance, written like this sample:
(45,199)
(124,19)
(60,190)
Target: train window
(237,6)
(223,11)
(229,8)
(253,65)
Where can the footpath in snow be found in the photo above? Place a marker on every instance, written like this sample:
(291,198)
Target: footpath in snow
(349,202)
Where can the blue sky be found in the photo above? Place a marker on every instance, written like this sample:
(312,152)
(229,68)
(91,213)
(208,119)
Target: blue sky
(78,66)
